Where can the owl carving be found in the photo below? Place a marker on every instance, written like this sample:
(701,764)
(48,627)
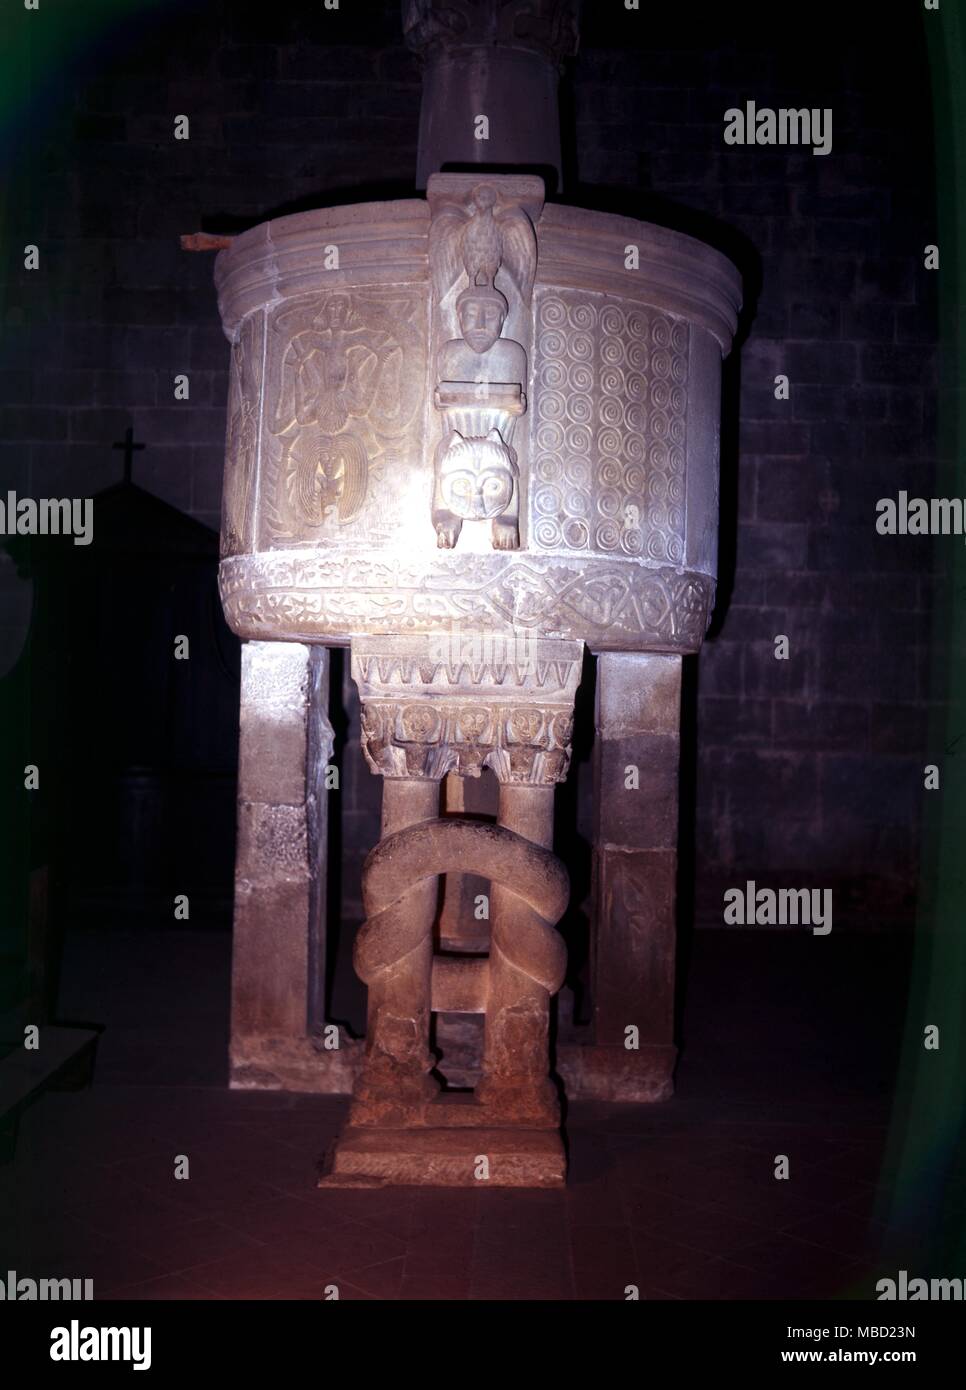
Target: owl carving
(476,480)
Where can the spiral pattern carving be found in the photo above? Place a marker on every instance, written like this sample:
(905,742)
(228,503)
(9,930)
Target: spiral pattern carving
(610,414)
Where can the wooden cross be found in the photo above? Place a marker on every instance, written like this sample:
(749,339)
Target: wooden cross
(129,446)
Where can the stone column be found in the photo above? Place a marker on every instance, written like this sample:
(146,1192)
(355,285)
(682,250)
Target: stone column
(495,59)
(278,949)
(426,715)
(635,852)
(395,960)
(527,966)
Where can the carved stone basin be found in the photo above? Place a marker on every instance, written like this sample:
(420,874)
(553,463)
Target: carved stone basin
(339,319)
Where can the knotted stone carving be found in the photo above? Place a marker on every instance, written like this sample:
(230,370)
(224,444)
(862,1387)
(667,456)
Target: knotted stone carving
(425,715)
(527,958)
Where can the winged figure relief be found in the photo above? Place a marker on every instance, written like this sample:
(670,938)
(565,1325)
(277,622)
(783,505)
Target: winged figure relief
(348,380)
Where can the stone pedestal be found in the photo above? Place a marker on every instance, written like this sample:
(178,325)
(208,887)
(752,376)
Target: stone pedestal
(426,716)
(448,1158)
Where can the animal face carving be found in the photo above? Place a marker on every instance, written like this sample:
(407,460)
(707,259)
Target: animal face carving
(476,476)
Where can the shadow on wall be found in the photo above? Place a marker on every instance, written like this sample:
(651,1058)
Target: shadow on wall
(131,677)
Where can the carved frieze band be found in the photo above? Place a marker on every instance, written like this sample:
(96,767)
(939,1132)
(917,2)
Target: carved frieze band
(616,604)
(502,666)
(521,743)
(427,712)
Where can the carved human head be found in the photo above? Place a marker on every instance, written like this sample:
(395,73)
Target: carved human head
(482,311)
(335,311)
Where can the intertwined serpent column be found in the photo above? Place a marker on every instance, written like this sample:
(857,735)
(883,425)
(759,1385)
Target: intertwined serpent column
(393,955)
(526,961)
(425,713)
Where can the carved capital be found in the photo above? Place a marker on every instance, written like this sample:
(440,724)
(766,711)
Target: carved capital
(548,27)
(460,704)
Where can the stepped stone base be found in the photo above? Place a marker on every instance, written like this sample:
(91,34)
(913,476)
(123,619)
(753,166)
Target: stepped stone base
(447,1158)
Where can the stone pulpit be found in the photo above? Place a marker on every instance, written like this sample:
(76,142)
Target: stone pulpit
(470,436)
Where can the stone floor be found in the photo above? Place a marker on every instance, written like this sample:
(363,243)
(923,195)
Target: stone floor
(788,1050)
